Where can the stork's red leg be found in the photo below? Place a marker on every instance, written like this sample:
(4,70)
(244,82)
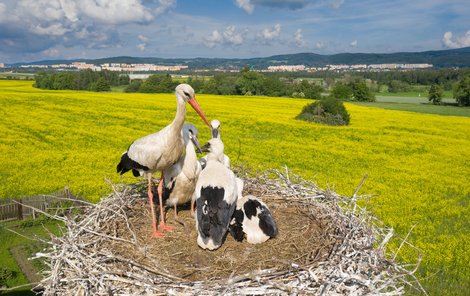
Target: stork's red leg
(154,221)
(162,213)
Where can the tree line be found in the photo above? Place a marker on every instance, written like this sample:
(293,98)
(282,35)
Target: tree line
(350,86)
(244,83)
(81,80)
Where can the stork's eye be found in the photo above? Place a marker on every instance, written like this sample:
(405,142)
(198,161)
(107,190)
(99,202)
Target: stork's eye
(186,94)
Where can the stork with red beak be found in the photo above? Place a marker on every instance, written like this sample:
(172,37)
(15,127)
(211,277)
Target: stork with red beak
(158,151)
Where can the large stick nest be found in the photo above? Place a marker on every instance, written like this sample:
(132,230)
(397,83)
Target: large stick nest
(327,245)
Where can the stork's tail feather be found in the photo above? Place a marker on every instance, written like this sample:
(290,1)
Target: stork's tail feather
(126,164)
(267,223)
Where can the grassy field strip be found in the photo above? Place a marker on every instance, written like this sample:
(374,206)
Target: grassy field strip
(418,164)
(409,100)
(419,107)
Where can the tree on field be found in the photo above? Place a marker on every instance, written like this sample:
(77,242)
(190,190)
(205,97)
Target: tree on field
(133,86)
(360,92)
(43,80)
(197,84)
(329,110)
(398,86)
(462,91)
(158,84)
(435,94)
(341,91)
(310,89)
(63,80)
(100,85)
(250,82)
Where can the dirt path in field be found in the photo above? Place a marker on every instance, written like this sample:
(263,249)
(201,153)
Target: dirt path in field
(25,265)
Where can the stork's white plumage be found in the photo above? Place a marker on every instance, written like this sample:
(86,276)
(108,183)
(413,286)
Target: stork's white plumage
(158,151)
(181,178)
(215,128)
(216,197)
(252,218)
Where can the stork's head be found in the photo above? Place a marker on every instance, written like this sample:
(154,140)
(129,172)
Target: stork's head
(190,133)
(215,127)
(185,93)
(215,147)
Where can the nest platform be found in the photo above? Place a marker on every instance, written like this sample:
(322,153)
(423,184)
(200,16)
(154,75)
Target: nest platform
(327,245)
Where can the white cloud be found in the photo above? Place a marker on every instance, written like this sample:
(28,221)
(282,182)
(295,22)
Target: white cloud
(270,34)
(116,11)
(53,30)
(51,52)
(143,38)
(214,39)
(165,5)
(299,38)
(70,10)
(231,36)
(141,46)
(462,41)
(320,45)
(246,5)
(43,24)
(353,43)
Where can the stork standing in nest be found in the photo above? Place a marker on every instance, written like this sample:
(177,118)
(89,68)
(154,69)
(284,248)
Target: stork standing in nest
(252,218)
(158,151)
(225,160)
(181,178)
(216,197)
(215,128)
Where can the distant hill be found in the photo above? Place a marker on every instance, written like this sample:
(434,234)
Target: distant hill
(439,58)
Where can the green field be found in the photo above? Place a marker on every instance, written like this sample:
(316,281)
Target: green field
(418,94)
(418,164)
(24,247)
(411,106)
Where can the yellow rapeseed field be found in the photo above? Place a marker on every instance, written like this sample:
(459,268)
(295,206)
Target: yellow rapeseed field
(418,164)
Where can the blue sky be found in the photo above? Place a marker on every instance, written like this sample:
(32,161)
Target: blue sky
(32,30)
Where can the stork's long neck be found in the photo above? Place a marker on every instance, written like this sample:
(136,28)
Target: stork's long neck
(217,156)
(178,121)
(190,161)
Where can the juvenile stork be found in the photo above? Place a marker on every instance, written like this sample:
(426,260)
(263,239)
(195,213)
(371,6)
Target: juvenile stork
(215,128)
(181,178)
(158,151)
(216,197)
(252,218)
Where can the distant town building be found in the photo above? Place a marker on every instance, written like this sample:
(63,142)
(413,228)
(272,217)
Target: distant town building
(138,76)
(133,68)
(286,68)
(2,65)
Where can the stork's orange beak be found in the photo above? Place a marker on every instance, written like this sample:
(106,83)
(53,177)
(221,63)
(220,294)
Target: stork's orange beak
(198,109)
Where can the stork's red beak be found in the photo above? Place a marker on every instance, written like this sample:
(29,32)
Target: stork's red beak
(198,109)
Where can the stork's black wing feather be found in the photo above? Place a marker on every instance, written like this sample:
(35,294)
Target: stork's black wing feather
(126,164)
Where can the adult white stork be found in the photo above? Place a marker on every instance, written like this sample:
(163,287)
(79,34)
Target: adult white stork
(252,218)
(181,178)
(216,197)
(215,128)
(158,151)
